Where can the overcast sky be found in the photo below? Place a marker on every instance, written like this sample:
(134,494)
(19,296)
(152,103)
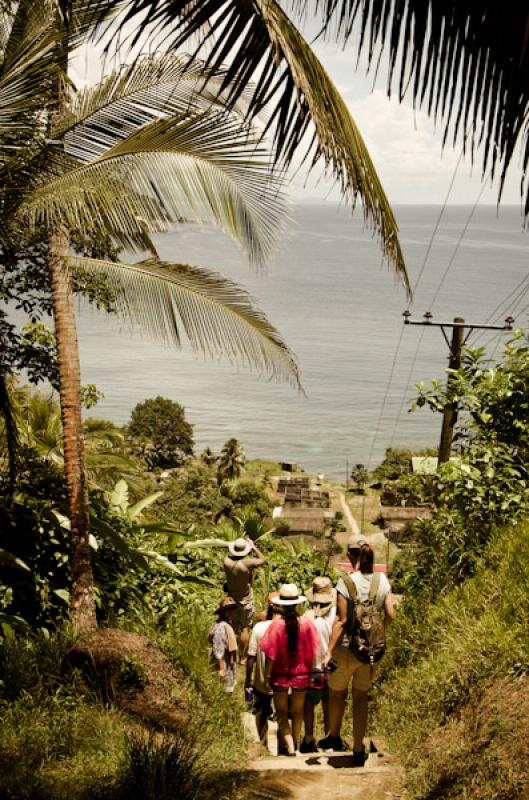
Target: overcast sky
(404,145)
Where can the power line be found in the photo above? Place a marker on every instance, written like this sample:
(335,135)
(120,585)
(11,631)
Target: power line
(458,244)
(437,224)
(384,401)
(408,382)
(506,305)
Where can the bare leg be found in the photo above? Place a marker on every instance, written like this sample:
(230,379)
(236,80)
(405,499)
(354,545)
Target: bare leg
(244,640)
(298,704)
(285,734)
(308,718)
(325,706)
(336,711)
(359,719)
(261,721)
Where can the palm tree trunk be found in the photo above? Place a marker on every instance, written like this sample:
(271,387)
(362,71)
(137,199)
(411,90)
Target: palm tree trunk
(11,433)
(82,592)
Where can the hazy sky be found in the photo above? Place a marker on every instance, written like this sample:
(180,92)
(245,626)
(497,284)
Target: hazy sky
(405,147)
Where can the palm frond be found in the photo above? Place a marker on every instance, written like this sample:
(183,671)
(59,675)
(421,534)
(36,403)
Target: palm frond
(216,315)
(467,62)
(28,66)
(154,86)
(259,38)
(339,141)
(202,167)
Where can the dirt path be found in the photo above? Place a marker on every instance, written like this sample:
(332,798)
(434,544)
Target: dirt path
(352,523)
(324,775)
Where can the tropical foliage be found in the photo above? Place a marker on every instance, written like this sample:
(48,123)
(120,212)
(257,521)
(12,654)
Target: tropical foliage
(465,64)
(160,432)
(486,487)
(76,165)
(231,460)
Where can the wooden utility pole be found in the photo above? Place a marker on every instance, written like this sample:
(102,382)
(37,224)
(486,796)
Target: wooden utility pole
(455,346)
(450,410)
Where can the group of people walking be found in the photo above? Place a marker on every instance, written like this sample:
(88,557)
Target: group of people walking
(297,658)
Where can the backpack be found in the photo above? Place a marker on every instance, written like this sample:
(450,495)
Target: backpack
(365,623)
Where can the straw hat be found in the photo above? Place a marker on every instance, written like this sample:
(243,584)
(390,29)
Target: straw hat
(289,596)
(239,548)
(226,602)
(323,593)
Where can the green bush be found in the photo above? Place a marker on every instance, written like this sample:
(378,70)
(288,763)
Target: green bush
(445,650)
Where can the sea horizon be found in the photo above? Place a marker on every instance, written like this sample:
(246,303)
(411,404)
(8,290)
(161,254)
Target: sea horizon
(331,296)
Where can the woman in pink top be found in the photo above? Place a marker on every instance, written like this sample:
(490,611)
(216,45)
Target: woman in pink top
(291,646)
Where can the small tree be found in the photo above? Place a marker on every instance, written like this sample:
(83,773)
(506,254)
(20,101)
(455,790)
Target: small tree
(162,433)
(231,461)
(208,457)
(360,475)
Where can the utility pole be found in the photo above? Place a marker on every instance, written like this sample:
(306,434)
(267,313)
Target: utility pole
(454,348)
(450,410)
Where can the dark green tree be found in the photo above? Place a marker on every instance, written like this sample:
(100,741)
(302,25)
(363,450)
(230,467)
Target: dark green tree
(231,461)
(160,432)
(360,475)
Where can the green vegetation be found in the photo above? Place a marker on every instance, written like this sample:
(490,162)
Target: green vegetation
(160,432)
(454,698)
(455,701)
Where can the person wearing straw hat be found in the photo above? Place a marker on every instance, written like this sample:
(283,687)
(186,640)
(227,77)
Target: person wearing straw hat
(322,612)
(239,566)
(291,647)
(223,643)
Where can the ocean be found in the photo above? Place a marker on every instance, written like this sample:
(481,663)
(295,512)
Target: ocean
(340,309)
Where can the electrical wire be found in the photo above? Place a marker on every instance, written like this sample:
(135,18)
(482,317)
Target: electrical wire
(437,224)
(408,382)
(385,399)
(508,304)
(458,244)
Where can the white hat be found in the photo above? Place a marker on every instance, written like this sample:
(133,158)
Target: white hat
(239,548)
(322,594)
(289,596)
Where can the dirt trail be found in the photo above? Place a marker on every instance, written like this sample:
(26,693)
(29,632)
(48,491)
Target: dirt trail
(351,521)
(324,775)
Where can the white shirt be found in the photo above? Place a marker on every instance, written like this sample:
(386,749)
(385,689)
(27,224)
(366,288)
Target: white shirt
(324,628)
(363,585)
(258,632)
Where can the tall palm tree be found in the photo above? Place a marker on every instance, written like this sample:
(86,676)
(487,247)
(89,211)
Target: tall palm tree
(150,145)
(467,62)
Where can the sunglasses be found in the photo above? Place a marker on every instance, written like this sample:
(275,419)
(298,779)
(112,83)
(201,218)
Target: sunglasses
(321,605)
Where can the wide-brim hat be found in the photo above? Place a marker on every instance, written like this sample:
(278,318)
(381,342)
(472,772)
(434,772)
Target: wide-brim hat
(226,602)
(322,591)
(289,596)
(239,548)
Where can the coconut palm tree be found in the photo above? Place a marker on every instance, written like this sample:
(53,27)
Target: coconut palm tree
(464,61)
(150,145)
(231,460)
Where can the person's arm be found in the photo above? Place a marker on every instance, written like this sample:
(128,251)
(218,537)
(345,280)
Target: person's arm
(269,665)
(258,559)
(337,628)
(389,609)
(250,661)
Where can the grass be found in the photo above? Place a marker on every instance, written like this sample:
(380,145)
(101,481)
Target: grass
(58,740)
(444,705)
